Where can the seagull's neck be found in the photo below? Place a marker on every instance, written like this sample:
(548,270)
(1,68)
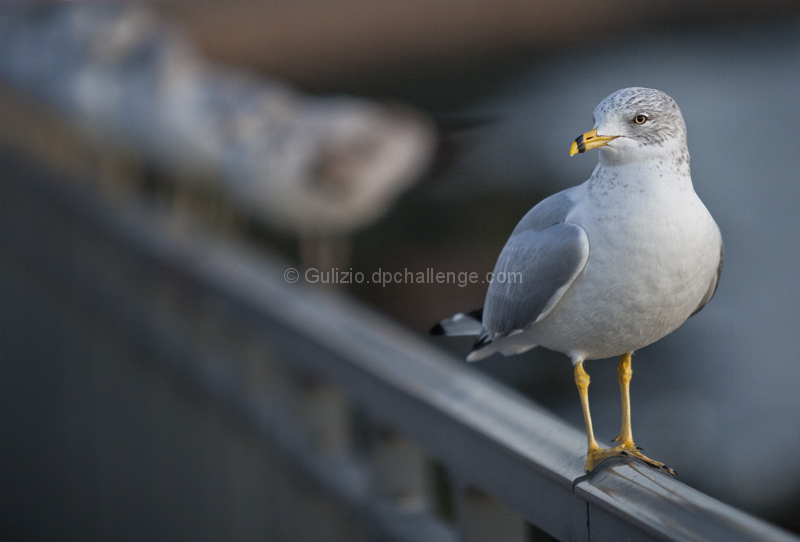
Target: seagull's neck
(671,155)
(651,176)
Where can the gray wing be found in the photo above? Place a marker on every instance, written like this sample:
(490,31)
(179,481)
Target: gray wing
(712,288)
(538,264)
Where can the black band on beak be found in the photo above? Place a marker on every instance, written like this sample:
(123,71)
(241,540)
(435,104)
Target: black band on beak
(581,144)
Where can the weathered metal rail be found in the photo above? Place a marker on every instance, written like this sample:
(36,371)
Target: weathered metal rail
(159,384)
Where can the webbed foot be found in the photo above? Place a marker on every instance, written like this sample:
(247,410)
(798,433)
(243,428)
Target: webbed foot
(595,457)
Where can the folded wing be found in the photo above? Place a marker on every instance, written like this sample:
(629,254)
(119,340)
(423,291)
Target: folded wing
(534,270)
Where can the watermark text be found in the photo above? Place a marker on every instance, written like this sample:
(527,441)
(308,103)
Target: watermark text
(428,275)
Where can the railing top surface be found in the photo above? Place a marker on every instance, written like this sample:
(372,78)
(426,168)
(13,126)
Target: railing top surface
(488,436)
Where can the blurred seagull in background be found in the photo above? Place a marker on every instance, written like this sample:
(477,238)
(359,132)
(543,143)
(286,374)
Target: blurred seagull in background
(317,167)
(609,266)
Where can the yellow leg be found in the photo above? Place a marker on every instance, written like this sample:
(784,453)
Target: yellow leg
(626,446)
(624,374)
(582,381)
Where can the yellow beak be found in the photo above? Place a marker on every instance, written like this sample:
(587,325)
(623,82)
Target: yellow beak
(589,141)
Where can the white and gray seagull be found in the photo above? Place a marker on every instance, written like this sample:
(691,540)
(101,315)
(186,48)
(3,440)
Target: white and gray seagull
(609,266)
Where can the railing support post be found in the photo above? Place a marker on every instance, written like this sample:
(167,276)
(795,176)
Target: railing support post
(485,519)
(400,470)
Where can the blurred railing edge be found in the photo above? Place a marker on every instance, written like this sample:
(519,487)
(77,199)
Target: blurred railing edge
(489,438)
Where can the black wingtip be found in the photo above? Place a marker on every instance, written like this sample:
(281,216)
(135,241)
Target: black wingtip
(436,330)
(480,342)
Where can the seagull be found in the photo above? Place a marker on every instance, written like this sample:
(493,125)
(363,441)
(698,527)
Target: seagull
(608,266)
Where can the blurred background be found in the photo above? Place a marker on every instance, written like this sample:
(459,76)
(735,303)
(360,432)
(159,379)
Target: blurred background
(473,106)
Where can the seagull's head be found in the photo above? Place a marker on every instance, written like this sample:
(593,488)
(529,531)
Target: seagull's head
(633,125)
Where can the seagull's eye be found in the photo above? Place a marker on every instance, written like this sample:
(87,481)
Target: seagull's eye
(640,119)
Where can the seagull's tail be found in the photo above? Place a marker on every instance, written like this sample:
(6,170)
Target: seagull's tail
(513,343)
(470,324)
(462,324)
(467,324)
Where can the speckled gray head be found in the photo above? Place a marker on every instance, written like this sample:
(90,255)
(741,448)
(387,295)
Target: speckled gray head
(635,124)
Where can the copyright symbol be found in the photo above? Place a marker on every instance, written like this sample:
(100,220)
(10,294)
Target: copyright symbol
(291,275)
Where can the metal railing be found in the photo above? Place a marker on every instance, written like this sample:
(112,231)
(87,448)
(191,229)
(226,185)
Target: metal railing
(161,384)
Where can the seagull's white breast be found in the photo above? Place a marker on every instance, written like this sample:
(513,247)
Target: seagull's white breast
(654,251)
